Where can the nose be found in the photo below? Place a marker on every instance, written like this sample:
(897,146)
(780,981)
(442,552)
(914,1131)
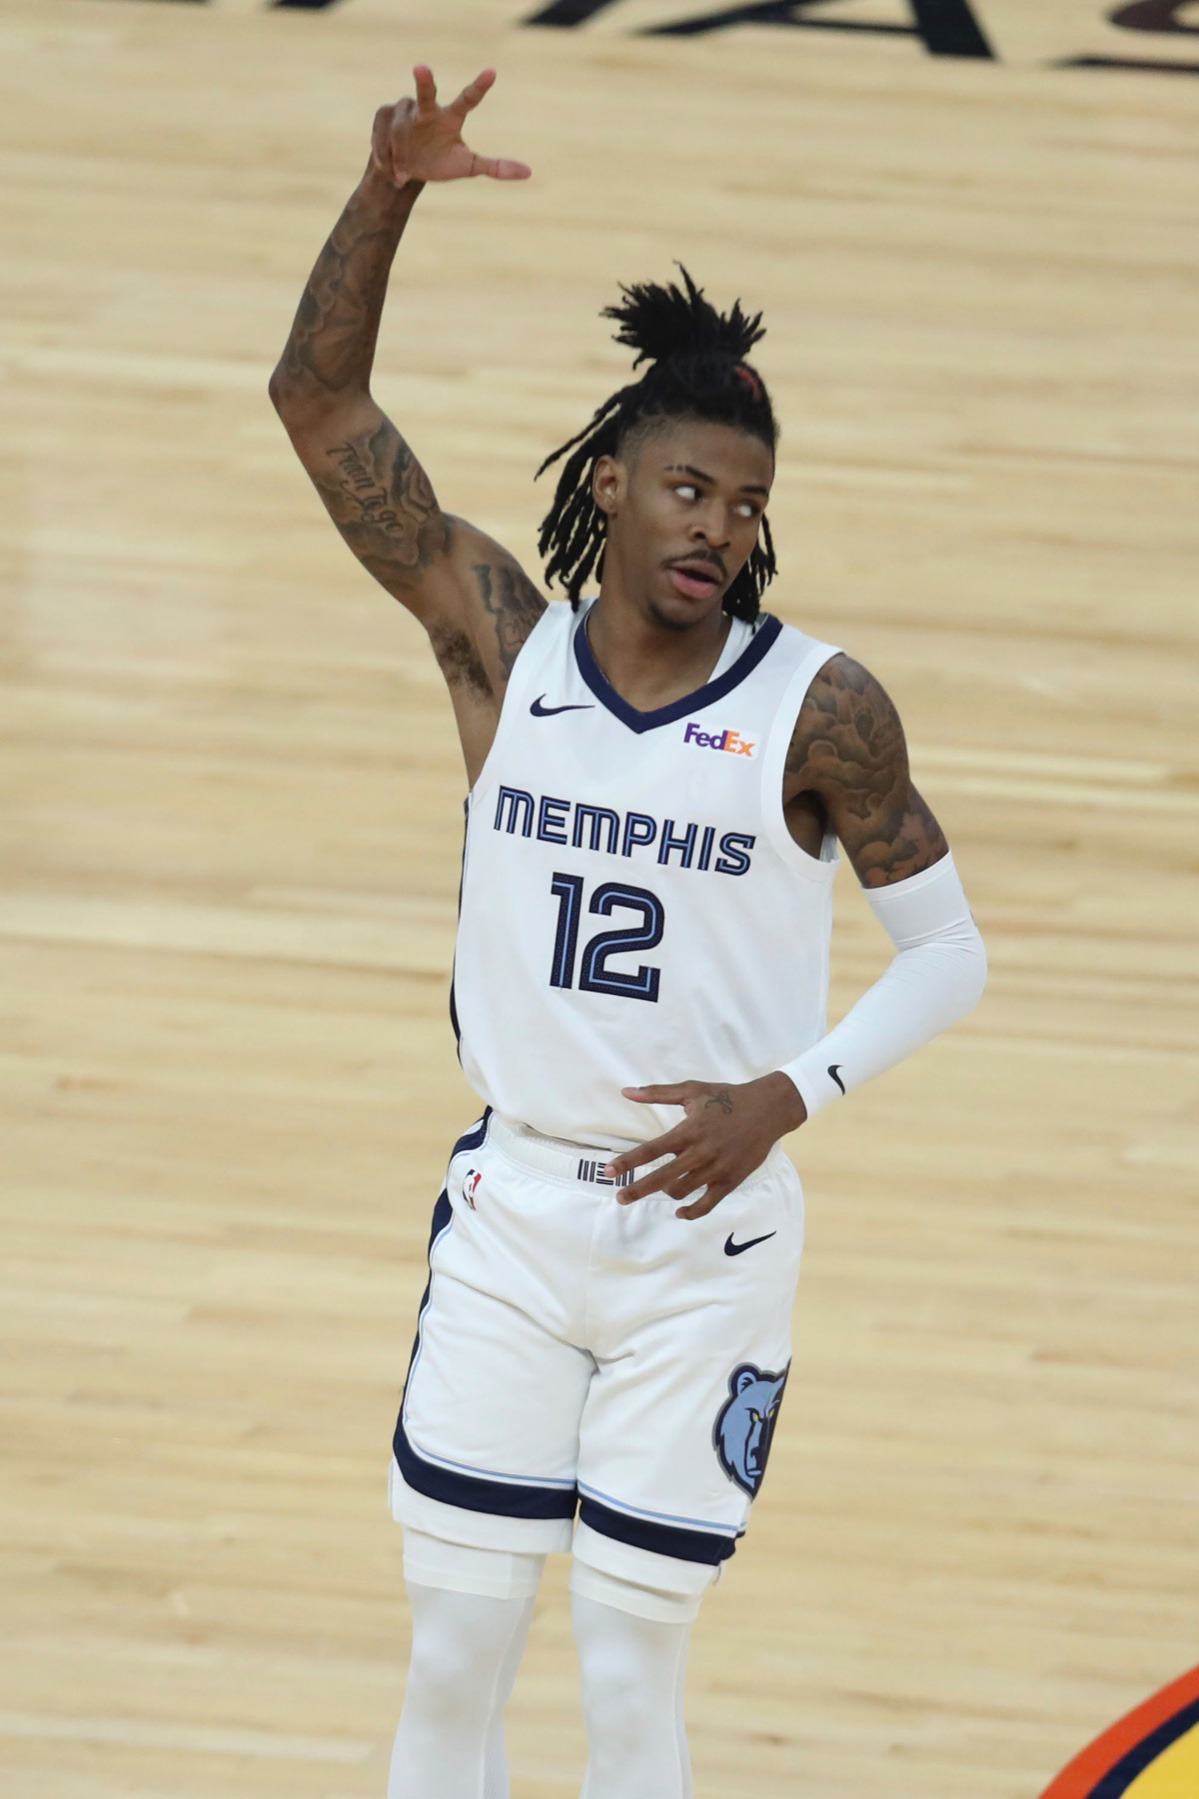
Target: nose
(711,527)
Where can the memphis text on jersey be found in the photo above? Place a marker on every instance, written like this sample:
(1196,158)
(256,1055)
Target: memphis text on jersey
(611,833)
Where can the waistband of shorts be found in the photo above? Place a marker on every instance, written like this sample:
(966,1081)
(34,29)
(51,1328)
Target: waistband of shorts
(577,1161)
(559,1159)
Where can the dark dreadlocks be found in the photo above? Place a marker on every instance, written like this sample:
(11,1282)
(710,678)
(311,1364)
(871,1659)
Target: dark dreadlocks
(697,369)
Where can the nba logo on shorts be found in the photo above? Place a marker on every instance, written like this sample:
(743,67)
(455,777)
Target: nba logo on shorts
(470,1187)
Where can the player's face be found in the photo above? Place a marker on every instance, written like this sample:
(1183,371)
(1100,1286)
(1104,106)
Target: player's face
(684,511)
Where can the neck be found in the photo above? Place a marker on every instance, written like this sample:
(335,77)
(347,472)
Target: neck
(649,660)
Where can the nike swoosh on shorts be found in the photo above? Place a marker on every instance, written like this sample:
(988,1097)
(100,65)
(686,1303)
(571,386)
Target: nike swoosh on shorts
(736,1249)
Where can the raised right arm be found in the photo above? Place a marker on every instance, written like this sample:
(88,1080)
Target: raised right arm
(376,491)
(471,595)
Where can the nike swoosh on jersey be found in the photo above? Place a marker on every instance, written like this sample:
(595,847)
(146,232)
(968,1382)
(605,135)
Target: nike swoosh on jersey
(540,711)
(833,1067)
(739,1249)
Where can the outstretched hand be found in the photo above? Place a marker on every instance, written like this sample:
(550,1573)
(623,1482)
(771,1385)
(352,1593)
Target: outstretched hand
(725,1134)
(418,140)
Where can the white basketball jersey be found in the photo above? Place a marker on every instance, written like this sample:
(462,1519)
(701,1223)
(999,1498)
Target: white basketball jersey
(634,909)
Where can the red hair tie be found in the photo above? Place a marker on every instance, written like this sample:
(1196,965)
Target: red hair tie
(751,381)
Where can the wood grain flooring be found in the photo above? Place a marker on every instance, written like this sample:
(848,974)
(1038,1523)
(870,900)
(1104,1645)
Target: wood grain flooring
(230,841)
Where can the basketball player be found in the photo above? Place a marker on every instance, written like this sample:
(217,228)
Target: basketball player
(660,776)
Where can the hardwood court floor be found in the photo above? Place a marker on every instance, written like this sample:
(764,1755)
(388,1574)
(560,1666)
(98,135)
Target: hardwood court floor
(232,814)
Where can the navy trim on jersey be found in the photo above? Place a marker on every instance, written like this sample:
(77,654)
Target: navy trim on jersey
(663,1539)
(474,1138)
(473,1493)
(457,1029)
(601,687)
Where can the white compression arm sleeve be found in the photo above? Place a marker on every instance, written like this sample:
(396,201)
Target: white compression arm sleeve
(937,976)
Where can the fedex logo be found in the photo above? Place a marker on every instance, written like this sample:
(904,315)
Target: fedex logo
(731,741)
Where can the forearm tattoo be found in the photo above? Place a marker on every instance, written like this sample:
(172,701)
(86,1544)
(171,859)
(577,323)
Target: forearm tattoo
(332,342)
(376,492)
(848,747)
(514,604)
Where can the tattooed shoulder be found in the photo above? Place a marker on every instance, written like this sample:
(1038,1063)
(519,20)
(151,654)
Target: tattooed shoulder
(848,726)
(848,747)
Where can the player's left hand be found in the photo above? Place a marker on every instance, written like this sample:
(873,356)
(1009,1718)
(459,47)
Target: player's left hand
(727,1132)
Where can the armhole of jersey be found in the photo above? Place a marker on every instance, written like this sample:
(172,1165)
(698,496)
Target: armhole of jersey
(824,866)
(522,678)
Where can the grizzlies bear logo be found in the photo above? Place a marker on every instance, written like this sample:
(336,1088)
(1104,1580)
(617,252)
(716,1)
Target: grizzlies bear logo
(745,1424)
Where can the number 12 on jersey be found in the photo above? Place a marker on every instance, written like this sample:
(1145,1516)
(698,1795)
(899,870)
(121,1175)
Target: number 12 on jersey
(591,969)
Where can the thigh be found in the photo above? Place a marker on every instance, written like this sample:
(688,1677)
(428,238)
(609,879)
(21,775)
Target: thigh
(678,1422)
(486,1444)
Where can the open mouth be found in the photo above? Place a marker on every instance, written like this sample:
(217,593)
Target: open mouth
(695,580)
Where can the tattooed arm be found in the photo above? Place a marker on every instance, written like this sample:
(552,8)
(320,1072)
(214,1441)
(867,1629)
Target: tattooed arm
(848,765)
(471,595)
(376,491)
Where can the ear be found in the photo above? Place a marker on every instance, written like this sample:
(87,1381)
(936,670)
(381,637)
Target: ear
(744,1377)
(609,483)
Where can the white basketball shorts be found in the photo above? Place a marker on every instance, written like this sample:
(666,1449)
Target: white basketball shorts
(574,1354)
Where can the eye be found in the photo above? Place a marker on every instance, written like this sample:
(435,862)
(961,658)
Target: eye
(687,489)
(755,1417)
(747,509)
